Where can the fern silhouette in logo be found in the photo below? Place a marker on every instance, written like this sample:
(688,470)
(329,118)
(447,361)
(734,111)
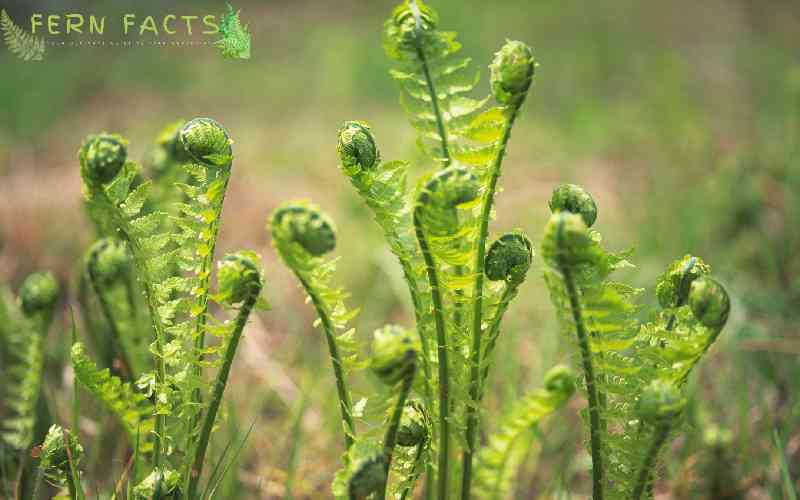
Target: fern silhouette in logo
(235,41)
(26,46)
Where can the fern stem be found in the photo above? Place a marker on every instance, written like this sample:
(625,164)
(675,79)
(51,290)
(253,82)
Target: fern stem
(414,473)
(429,82)
(644,479)
(390,438)
(477,305)
(595,430)
(494,333)
(126,370)
(341,385)
(152,307)
(200,323)
(218,391)
(441,341)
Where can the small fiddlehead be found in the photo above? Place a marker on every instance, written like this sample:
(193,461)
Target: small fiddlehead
(659,406)
(302,235)
(239,282)
(511,77)
(394,361)
(436,215)
(23,392)
(107,263)
(60,455)
(415,431)
(508,260)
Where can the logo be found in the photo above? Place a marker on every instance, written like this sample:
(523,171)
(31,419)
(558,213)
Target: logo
(127,30)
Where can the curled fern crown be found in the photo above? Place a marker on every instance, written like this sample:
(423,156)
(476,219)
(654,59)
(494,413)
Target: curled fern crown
(39,293)
(509,257)
(356,147)
(101,157)
(512,72)
(207,142)
(394,353)
(305,225)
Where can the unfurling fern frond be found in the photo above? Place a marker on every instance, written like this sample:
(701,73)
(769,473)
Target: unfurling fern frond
(61,454)
(134,410)
(623,361)
(235,41)
(173,253)
(24,45)
(498,462)
(383,187)
(26,334)
(302,235)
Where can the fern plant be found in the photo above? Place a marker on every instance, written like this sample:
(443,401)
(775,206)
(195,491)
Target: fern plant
(461,287)
(634,373)
(168,413)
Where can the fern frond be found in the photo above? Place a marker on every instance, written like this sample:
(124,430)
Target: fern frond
(134,410)
(26,331)
(24,45)
(302,235)
(235,42)
(498,462)
(621,357)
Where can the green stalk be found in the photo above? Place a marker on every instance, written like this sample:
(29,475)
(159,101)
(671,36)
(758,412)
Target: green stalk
(595,438)
(441,341)
(414,473)
(429,82)
(390,439)
(73,478)
(295,437)
(200,323)
(218,390)
(116,345)
(477,307)
(646,472)
(341,385)
(494,332)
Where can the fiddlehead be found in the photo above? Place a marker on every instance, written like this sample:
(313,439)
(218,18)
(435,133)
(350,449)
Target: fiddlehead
(508,260)
(383,188)
(60,455)
(436,224)
(626,357)
(498,462)
(511,77)
(107,264)
(574,199)
(239,282)
(415,431)
(394,361)
(302,235)
(23,385)
(659,406)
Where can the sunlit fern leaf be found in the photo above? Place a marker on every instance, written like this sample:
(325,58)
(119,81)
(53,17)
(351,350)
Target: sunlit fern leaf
(133,409)
(24,45)
(235,41)
(432,78)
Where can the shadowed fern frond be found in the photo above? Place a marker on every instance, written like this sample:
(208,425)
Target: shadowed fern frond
(134,410)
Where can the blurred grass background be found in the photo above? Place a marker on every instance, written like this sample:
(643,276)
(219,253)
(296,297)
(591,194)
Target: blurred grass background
(682,118)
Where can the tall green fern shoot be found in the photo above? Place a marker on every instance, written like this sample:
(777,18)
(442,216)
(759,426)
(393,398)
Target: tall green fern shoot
(633,372)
